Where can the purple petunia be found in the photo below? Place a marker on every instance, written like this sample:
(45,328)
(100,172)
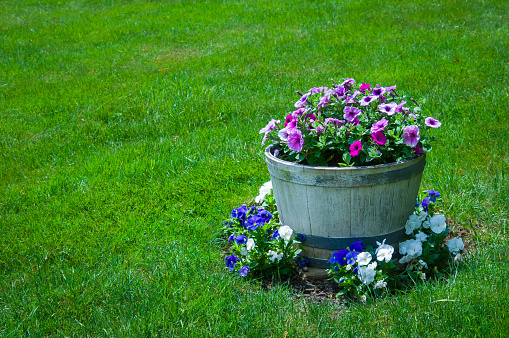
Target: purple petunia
(302,101)
(295,140)
(337,123)
(431,122)
(230,262)
(355,148)
(315,90)
(244,271)
(348,82)
(269,127)
(379,138)
(338,92)
(379,126)
(350,113)
(411,135)
(378,91)
(367,100)
(388,108)
(324,101)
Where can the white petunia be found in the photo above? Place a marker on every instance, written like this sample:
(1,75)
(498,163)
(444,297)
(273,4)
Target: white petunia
(437,224)
(421,236)
(366,275)
(250,244)
(455,245)
(264,191)
(285,232)
(364,258)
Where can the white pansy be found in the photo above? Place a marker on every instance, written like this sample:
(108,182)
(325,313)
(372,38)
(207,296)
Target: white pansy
(423,263)
(384,251)
(243,251)
(372,265)
(380,284)
(423,276)
(437,224)
(413,223)
(366,275)
(285,232)
(455,245)
(348,267)
(423,215)
(421,236)
(414,249)
(264,191)
(250,244)
(405,259)
(364,258)
(273,255)
(364,298)
(458,258)
(425,224)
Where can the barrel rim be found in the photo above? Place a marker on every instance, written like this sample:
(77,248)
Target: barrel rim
(408,161)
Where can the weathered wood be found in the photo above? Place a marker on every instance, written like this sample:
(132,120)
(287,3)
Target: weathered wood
(341,205)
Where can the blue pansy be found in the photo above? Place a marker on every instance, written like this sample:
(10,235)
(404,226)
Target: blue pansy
(339,257)
(244,271)
(240,239)
(357,246)
(231,261)
(351,257)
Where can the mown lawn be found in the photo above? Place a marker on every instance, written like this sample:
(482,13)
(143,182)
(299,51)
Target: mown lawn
(129,130)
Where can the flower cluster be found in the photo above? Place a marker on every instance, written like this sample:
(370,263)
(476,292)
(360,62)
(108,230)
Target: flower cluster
(259,243)
(423,254)
(349,124)
(358,267)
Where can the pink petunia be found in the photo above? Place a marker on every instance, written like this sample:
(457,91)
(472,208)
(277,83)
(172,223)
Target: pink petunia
(295,140)
(355,148)
(431,122)
(411,135)
(379,138)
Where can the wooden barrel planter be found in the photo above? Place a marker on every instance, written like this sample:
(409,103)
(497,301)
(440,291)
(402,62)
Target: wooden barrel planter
(335,206)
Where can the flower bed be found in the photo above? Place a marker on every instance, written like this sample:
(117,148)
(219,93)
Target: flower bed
(260,246)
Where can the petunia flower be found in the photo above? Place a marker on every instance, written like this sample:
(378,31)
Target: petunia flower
(379,126)
(364,87)
(411,135)
(302,101)
(431,122)
(379,138)
(388,108)
(270,126)
(350,113)
(355,148)
(295,140)
(378,91)
(367,100)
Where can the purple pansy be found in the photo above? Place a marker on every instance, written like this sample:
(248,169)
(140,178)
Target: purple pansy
(264,215)
(244,271)
(411,135)
(433,195)
(355,148)
(357,246)
(275,235)
(295,140)
(339,257)
(351,257)
(230,262)
(240,239)
(379,126)
(425,202)
(379,138)
(431,122)
(254,221)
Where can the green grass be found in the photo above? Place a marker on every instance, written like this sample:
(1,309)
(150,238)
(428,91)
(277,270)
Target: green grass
(129,130)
